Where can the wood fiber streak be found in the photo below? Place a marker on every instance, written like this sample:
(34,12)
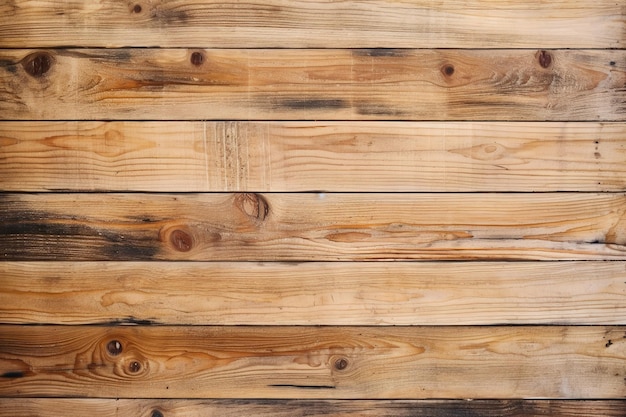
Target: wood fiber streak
(313,362)
(313,293)
(302,156)
(313,84)
(43,407)
(299,23)
(248,227)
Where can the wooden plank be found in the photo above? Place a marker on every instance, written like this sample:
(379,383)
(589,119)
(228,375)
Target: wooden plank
(314,23)
(71,407)
(313,362)
(331,84)
(301,156)
(320,226)
(313,293)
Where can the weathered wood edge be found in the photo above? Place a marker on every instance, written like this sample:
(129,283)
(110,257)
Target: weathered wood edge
(63,407)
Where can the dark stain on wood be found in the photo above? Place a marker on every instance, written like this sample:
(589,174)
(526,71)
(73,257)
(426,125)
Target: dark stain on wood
(302,386)
(8,65)
(372,109)
(309,104)
(382,52)
(13,374)
(125,252)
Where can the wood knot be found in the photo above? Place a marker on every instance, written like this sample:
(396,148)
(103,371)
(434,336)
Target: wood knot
(134,367)
(197,58)
(341,364)
(114,347)
(37,64)
(253,205)
(181,240)
(447,70)
(544,58)
(137,8)
(156,413)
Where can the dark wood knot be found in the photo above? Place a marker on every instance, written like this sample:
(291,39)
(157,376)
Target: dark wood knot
(114,347)
(448,70)
(341,364)
(544,58)
(253,205)
(137,8)
(156,413)
(37,64)
(197,58)
(181,240)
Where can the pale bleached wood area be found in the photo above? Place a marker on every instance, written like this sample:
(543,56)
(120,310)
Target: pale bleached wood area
(314,23)
(312,84)
(312,208)
(306,156)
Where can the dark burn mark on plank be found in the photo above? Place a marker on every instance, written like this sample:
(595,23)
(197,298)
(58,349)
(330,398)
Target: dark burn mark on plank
(302,386)
(8,65)
(372,109)
(128,252)
(311,104)
(13,374)
(382,52)
(32,234)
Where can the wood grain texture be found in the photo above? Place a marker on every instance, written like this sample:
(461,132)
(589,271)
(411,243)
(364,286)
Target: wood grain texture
(269,227)
(313,362)
(64,407)
(313,293)
(314,23)
(302,156)
(333,84)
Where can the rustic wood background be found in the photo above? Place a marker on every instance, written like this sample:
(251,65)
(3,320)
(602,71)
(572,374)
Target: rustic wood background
(312,208)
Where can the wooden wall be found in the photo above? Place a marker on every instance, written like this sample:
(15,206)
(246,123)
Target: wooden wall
(311,207)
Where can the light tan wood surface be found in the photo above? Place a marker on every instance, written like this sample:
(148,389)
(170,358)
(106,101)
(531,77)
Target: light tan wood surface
(313,293)
(313,84)
(314,23)
(305,156)
(313,362)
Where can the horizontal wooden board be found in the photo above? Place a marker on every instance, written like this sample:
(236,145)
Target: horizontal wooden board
(302,156)
(312,226)
(66,407)
(314,23)
(313,362)
(333,84)
(313,293)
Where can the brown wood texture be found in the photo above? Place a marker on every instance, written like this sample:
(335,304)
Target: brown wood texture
(314,23)
(304,156)
(313,84)
(55,407)
(313,293)
(313,362)
(305,227)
